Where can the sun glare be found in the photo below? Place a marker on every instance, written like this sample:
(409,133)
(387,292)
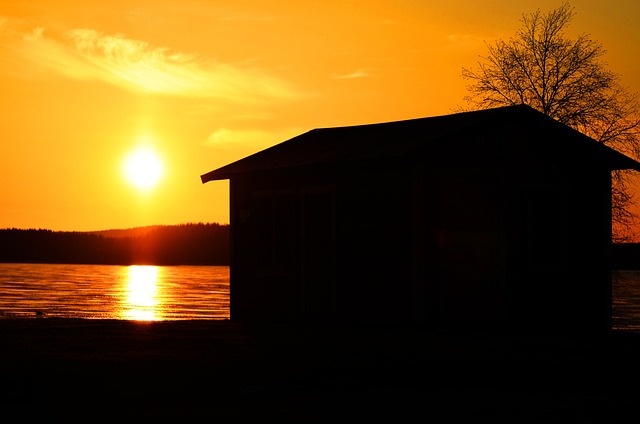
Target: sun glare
(143,168)
(141,301)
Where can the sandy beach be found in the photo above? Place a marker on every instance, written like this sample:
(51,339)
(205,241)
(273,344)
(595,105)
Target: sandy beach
(218,370)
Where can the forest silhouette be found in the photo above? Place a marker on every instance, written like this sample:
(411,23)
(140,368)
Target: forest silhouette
(185,244)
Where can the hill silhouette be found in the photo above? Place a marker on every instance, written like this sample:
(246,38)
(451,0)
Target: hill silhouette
(185,244)
(129,232)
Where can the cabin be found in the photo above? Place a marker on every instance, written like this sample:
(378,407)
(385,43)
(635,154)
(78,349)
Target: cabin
(496,220)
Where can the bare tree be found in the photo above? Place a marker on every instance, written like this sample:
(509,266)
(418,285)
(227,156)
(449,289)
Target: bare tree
(567,80)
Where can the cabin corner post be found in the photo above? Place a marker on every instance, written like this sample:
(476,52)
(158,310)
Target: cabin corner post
(240,265)
(232,250)
(607,242)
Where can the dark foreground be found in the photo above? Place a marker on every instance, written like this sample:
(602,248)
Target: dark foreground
(96,370)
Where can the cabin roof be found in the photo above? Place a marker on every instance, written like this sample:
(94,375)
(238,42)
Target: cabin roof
(380,140)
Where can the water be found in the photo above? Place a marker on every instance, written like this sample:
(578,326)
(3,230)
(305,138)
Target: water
(173,292)
(147,293)
(626,300)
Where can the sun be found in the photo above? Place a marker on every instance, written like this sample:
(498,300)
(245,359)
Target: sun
(143,168)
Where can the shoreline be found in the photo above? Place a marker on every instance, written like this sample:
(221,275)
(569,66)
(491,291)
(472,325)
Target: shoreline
(216,368)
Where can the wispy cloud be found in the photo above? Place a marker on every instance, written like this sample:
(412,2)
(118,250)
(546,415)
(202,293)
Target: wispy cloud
(360,73)
(139,66)
(459,38)
(470,39)
(249,18)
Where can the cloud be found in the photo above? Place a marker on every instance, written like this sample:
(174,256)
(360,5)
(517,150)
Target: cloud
(360,73)
(138,66)
(459,38)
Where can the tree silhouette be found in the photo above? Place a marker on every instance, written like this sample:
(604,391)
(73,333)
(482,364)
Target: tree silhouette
(567,80)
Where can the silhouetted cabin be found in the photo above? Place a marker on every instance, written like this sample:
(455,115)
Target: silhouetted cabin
(497,219)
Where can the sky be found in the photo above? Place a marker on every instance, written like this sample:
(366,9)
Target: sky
(191,85)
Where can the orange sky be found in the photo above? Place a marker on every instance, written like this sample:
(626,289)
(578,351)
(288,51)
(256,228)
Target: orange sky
(204,83)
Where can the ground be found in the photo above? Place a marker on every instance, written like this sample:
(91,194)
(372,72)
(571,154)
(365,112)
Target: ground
(219,370)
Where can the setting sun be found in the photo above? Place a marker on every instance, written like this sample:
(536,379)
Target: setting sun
(143,168)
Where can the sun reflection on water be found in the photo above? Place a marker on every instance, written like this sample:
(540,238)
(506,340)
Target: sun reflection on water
(141,302)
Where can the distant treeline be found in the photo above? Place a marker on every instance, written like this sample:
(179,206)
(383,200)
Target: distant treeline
(186,244)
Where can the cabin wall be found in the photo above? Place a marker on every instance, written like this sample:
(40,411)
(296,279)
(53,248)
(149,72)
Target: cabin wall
(559,276)
(374,238)
(454,247)
(283,248)
(322,249)
(544,272)
(459,248)
(590,290)
(470,248)
(514,249)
